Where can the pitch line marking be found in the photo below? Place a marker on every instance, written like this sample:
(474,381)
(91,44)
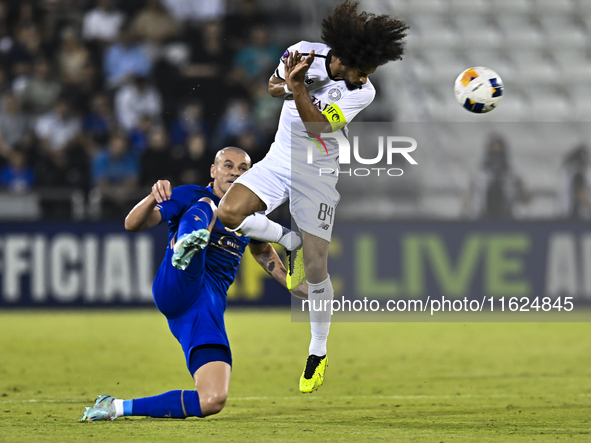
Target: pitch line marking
(336,397)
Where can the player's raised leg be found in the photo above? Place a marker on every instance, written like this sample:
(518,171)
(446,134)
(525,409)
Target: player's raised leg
(242,210)
(320,295)
(193,235)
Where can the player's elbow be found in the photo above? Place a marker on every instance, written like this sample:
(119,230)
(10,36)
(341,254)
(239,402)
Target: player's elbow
(131,225)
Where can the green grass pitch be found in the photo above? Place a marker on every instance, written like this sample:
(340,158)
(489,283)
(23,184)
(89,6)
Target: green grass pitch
(425,382)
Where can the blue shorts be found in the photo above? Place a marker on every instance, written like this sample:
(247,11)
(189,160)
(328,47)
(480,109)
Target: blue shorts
(204,354)
(194,307)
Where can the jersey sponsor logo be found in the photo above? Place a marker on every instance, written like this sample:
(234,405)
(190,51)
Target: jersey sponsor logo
(228,242)
(335,94)
(318,103)
(335,117)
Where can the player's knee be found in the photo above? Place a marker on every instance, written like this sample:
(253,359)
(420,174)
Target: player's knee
(316,270)
(228,215)
(212,402)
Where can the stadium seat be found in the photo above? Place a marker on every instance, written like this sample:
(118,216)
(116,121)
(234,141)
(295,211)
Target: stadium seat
(547,105)
(510,6)
(460,7)
(552,7)
(433,32)
(533,68)
(418,7)
(477,31)
(583,7)
(579,102)
(519,31)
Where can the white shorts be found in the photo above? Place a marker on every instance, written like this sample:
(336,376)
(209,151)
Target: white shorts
(313,199)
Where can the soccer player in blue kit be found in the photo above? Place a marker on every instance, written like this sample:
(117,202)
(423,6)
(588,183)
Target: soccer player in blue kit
(190,288)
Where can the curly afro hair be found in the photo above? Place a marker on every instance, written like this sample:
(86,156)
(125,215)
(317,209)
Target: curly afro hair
(363,39)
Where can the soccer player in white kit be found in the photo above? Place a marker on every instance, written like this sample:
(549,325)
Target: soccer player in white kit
(324,85)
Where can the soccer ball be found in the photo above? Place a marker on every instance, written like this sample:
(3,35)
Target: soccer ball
(479,89)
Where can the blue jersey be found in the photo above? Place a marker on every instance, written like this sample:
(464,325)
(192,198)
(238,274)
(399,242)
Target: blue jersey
(225,248)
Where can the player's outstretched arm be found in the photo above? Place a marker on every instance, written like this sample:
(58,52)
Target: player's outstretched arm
(267,257)
(145,214)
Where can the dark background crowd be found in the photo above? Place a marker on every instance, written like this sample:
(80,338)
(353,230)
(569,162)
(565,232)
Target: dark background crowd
(108,96)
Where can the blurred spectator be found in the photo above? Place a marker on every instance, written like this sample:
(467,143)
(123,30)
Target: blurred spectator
(40,92)
(208,67)
(5,85)
(136,99)
(6,40)
(496,189)
(100,120)
(115,173)
(260,58)
(80,93)
(58,128)
(73,57)
(154,24)
(265,108)
(14,124)
(574,197)
(236,120)
(28,13)
(125,59)
(58,121)
(102,24)
(17,175)
(194,167)
(189,121)
(251,142)
(4,9)
(157,161)
(240,23)
(140,134)
(195,10)
(26,46)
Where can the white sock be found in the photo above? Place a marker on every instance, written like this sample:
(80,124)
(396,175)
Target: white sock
(118,407)
(259,227)
(318,293)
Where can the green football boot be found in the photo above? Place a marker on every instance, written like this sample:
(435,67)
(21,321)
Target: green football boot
(187,245)
(313,376)
(103,409)
(295,268)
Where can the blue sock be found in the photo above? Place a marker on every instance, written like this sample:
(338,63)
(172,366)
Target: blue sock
(197,217)
(172,404)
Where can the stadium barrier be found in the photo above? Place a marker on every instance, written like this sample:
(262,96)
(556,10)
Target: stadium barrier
(101,265)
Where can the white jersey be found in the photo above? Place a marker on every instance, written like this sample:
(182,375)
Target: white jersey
(332,97)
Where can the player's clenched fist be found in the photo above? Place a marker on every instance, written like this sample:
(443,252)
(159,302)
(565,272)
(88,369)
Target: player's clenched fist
(162,191)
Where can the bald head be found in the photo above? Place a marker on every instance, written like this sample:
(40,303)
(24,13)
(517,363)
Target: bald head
(229,164)
(220,156)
